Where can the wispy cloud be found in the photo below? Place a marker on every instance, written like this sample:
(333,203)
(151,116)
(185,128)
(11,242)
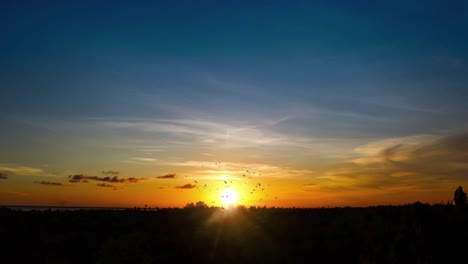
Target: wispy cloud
(207,132)
(49,183)
(374,152)
(143,149)
(24,170)
(143,159)
(394,103)
(114,179)
(210,135)
(186,186)
(167,176)
(139,160)
(416,162)
(206,169)
(110,172)
(8,194)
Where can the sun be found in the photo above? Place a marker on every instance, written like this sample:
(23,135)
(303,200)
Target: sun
(229,197)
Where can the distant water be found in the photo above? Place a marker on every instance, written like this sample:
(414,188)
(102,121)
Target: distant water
(57,208)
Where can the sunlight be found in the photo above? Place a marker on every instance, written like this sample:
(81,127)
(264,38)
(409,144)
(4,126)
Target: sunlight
(229,197)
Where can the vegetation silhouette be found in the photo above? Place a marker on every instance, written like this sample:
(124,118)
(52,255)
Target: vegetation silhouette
(460,197)
(411,233)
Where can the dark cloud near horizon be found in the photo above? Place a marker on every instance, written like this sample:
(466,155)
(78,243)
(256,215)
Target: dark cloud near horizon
(186,186)
(114,179)
(110,172)
(106,185)
(3,176)
(167,176)
(49,183)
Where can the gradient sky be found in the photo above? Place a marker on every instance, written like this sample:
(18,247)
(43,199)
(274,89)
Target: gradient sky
(334,103)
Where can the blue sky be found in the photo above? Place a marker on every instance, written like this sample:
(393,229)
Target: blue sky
(85,85)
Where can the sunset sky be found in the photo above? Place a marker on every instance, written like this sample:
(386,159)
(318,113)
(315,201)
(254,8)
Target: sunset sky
(289,103)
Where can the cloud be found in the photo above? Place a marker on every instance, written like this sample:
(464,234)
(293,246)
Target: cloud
(208,132)
(218,170)
(114,179)
(143,159)
(186,186)
(146,149)
(110,172)
(211,134)
(3,176)
(167,176)
(416,163)
(49,183)
(106,185)
(139,160)
(378,151)
(23,170)
(445,154)
(8,194)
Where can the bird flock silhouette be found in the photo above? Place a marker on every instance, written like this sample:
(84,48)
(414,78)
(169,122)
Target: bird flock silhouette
(250,181)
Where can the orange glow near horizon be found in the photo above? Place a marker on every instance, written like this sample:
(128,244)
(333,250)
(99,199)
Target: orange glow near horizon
(221,184)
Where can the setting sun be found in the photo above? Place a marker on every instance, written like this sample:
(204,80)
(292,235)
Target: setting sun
(229,197)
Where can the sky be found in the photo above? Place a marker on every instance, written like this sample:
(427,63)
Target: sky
(288,103)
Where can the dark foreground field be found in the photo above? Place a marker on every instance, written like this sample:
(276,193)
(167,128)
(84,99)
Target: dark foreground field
(391,234)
